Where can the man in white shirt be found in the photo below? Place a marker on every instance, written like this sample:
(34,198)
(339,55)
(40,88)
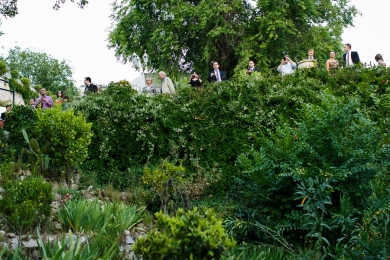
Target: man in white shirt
(216,75)
(350,57)
(287,66)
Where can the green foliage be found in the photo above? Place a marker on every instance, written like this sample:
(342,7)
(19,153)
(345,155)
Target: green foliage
(114,218)
(3,68)
(70,249)
(14,74)
(107,221)
(188,235)
(26,203)
(191,34)
(40,68)
(66,135)
(168,181)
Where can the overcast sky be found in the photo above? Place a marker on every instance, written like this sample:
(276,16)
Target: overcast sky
(80,35)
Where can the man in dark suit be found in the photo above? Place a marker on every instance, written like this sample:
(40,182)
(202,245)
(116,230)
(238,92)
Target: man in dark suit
(89,86)
(311,56)
(350,57)
(216,75)
(251,67)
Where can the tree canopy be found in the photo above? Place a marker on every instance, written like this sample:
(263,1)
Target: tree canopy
(184,35)
(9,8)
(42,69)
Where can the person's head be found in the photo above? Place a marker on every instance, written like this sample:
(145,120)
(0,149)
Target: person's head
(216,65)
(66,99)
(60,94)
(149,81)
(285,59)
(43,91)
(32,101)
(87,81)
(161,74)
(8,107)
(251,64)
(347,47)
(378,57)
(310,52)
(194,73)
(332,54)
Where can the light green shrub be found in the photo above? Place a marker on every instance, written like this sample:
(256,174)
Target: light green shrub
(3,68)
(66,135)
(188,235)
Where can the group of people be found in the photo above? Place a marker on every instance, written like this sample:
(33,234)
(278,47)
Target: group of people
(350,59)
(195,80)
(45,101)
(287,66)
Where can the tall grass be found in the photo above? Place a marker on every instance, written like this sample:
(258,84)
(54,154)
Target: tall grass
(85,216)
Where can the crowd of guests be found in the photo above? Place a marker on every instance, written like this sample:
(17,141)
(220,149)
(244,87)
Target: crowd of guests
(287,66)
(350,59)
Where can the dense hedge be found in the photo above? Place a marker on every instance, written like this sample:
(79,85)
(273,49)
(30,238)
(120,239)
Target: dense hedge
(214,126)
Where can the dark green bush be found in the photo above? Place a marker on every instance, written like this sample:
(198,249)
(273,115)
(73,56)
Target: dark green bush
(26,203)
(20,117)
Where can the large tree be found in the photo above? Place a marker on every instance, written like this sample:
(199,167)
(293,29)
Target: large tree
(9,8)
(42,69)
(181,35)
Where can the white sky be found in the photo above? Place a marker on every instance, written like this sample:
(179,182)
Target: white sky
(77,35)
(80,35)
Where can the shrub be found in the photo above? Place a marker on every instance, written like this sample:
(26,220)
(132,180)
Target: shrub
(188,235)
(3,68)
(14,74)
(66,135)
(26,203)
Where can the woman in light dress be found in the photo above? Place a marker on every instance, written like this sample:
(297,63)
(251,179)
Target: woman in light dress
(332,64)
(149,88)
(380,60)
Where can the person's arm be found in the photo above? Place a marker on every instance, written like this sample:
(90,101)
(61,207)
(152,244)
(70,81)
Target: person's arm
(200,80)
(223,77)
(50,101)
(211,77)
(318,63)
(357,59)
(327,65)
(170,86)
(293,64)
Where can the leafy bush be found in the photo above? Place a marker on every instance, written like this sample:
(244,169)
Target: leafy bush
(26,203)
(3,68)
(20,117)
(188,235)
(66,135)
